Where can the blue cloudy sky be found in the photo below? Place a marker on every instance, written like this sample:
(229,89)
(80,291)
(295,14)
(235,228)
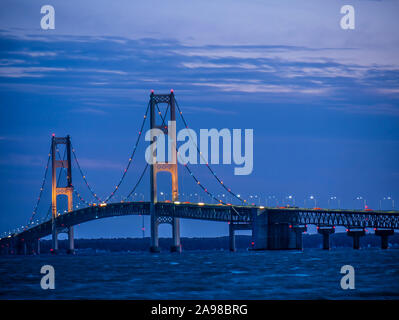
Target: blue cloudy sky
(323,102)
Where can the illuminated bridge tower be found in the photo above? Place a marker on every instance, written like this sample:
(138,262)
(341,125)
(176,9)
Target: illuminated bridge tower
(56,191)
(158,165)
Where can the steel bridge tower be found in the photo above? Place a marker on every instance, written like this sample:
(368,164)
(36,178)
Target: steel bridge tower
(56,191)
(170,165)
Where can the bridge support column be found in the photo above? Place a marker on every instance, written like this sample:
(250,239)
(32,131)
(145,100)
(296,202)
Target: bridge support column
(37,242)
(384,234)
(232,238)
(159,165)
(71,241)
(23,248)
(326,232)
(154,231)
(54,239)
(356,234)
(299,230)
(260,227)
(176,247)
(281,237)
(30,247)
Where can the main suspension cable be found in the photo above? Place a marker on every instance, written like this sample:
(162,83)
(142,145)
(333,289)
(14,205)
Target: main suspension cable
(41,191)
(207,164)
(84,176)
(131,157)
(187,168)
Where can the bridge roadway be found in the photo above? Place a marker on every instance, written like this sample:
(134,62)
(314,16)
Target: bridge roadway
(228,213)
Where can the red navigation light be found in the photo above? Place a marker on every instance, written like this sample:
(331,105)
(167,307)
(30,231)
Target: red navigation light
(347,230)
(375,229)
(253,243)
(152,90)
(171,90)
(333,227)
(290,225)
(53,134)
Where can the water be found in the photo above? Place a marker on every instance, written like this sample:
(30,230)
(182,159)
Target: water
(311,274)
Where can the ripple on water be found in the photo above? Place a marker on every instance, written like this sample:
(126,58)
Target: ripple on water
(204,275)
(238,271)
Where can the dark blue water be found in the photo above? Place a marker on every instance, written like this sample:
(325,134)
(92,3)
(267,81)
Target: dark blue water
(311,274)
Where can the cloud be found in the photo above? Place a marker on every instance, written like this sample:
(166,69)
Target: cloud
(118,71)
(191,109)
(100,164)
(388,90)
(24,72)
(262,88)
(375,109)
(90,111)
(34,54)
(22,160)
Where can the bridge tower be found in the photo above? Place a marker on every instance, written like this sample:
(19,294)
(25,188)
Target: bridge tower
(169,165)
(56,191)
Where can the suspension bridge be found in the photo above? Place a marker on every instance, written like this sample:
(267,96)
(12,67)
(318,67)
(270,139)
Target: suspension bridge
(273,228)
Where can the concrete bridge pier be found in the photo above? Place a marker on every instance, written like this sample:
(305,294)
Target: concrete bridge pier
(260,228)
(232,237)
(384,234)
(326,232)
(299,230)
(54,240)
(176,247)
(71,241)
(21,248)
(12,247)
(154,247)
(30,247)
(37,246)
(356,234)
(281,237)
(232,230)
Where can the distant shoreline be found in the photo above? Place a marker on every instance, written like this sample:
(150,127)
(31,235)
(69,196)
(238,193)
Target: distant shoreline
(338,240)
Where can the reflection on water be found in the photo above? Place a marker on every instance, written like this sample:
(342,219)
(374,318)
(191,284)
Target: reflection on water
(311,274)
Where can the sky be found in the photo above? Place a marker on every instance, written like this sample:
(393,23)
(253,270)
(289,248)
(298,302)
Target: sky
(323,102)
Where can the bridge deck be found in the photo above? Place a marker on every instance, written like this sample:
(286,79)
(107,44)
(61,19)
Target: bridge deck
(214,212)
